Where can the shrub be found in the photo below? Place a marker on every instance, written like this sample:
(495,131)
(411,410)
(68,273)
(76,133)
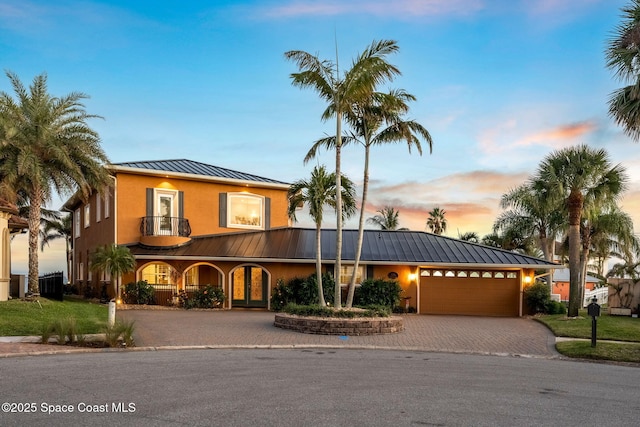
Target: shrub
(538,298)
(556,307)
(139,293)
(301,291)
(207,297)
(378,292)
(318,311)
(64,329)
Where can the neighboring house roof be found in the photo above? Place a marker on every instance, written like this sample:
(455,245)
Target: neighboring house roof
(191,168)
(297,245)
(562,275)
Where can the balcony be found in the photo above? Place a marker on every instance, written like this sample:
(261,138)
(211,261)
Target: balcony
(164,231)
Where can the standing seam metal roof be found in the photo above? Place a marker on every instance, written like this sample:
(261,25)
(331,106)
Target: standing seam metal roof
(195,168)
(394,247)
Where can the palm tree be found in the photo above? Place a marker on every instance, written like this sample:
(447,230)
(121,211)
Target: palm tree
(623,55)
(115,261)
(47,145)
(469,236)
(436,222)
(533,212)
(387,219)
(58,227)
(341,92)
(376,120)
(316,192)
(613,229)
(581,176)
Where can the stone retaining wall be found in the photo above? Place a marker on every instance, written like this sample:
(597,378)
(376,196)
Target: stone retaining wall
(339,326)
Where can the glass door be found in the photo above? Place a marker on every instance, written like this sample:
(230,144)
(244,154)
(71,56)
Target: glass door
(249,287)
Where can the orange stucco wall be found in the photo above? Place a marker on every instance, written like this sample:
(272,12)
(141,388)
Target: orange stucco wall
(201,204)
(562,288)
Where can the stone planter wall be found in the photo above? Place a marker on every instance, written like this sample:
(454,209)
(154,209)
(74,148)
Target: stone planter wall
(338,326)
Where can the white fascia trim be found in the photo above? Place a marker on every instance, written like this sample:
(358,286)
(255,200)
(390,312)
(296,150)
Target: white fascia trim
(194,177)
(344,262)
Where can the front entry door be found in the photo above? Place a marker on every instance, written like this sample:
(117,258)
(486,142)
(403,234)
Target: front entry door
(249,287)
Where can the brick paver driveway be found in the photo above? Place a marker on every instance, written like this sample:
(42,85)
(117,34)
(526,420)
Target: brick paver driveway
(465,334)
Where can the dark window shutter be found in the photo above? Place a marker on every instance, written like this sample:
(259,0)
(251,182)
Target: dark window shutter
(180,204)
(369,272)
(223,209)
(149,213)
(267,213)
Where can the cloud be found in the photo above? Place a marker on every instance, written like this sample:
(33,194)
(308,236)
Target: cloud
(561,136)
(380,8)
(471,199)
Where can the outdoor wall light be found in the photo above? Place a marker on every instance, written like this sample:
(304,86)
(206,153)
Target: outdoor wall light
(412,277)
(527,279)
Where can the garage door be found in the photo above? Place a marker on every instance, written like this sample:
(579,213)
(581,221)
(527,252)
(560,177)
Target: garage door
(479,293)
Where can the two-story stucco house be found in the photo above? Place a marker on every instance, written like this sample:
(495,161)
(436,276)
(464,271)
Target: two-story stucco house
(191,224)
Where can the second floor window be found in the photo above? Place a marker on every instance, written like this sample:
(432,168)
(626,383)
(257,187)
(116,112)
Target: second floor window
(245,210)
(87,215)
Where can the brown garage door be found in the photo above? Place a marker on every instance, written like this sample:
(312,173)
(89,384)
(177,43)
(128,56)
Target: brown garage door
(470,296)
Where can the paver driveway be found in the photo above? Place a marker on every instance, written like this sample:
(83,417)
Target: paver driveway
(244,328)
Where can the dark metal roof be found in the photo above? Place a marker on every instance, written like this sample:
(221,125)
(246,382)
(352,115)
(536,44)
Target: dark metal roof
(381,247)
(191,167)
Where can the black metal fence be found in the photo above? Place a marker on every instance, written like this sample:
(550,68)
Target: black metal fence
(164,226)
(163,294)
(51,285)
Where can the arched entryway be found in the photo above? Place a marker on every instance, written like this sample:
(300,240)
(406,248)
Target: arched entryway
(164,279)
(250,286)
(200,275)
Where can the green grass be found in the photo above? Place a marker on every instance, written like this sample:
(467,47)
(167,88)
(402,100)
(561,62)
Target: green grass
(617,328)
(602,351)
(27,318)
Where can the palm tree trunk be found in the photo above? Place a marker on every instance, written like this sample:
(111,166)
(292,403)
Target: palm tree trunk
(575,213)
(337,303)
(321,300)
(35,204)
(356,264)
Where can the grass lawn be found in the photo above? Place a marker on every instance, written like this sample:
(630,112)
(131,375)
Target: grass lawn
(617,328)
(27,318)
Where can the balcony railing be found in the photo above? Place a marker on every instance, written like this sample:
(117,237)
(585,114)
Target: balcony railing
(165,226)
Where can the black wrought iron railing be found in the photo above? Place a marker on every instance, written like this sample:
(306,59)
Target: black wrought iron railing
(165,226)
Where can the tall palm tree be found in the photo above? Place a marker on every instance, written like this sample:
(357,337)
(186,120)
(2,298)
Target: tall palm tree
(387,219)
(623,56)
(316,192)
(368,70)
(581,176)
(114,260)
(47,145)
(376,120)
(436,222)
(58,227)
(533,211)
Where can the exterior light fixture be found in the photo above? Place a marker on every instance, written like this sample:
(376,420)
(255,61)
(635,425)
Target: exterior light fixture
(412,277)
(527,279)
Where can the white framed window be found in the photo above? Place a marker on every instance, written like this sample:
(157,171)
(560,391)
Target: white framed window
(81,271)
(87,215)
(107,198)
(76,221)
(346,271)
(425,273)
(98,207)
(157,273)
(245,210)
(89,272)
(512,275)
(165,209)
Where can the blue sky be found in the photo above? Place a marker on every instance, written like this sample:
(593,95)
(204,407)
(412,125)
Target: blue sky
(499,84)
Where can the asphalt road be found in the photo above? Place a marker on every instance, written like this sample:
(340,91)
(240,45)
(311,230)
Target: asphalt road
(305,387)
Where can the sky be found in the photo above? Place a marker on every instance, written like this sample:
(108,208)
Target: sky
(500,84)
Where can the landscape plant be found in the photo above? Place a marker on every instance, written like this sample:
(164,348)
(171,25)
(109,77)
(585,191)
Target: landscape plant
(378,292)
(140,292)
